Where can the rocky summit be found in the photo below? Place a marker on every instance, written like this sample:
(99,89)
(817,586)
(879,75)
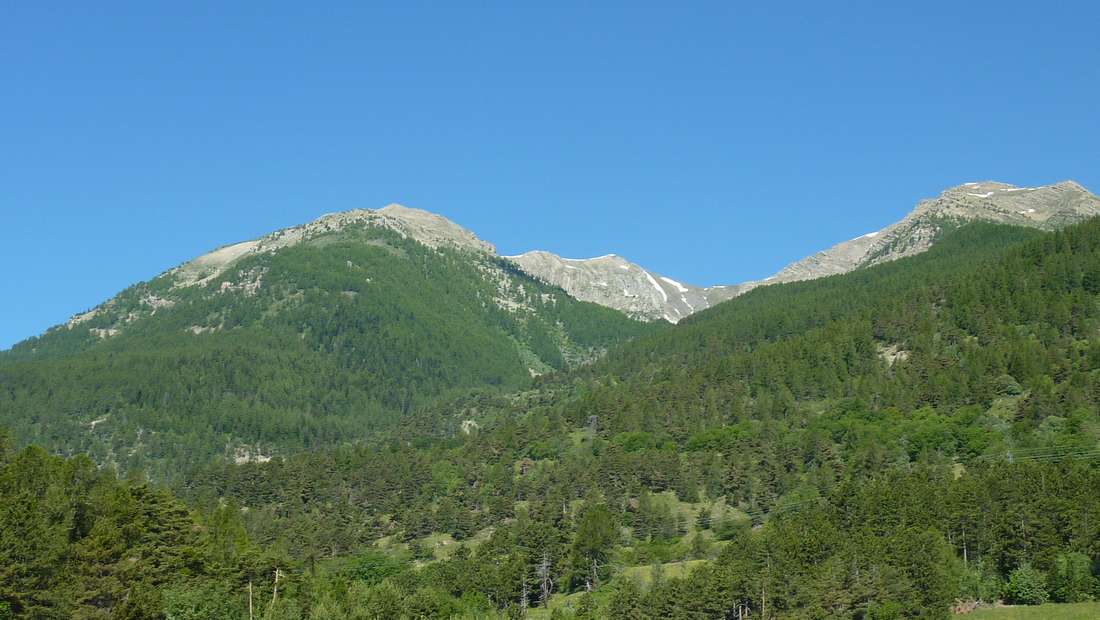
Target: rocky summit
(615,282)
(1048,207)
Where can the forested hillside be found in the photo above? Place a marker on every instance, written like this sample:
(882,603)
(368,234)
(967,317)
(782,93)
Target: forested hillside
(316,344)
(882,444)
(795,405)
(75,542)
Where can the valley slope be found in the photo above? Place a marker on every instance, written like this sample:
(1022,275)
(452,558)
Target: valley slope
(878,443)
(352,414)
(310,336)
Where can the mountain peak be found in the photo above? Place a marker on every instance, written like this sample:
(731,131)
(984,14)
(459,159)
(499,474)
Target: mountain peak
(1046,207)
(431,229)
(1070,185)
(611,280)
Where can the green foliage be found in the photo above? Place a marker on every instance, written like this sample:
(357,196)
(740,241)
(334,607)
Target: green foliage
(626,602)
(318,344)
(200,602)
(373,566)
(874,445)
(979,582)
(586,608)
(375,602)
(77,543)
(1071,578)
(1026,586)
(596,533)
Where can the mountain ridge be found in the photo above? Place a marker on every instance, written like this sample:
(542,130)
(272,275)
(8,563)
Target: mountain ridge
(1045,207)
(613,281)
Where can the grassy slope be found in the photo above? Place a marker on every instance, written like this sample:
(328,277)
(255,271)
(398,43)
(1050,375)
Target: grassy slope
(1074,611)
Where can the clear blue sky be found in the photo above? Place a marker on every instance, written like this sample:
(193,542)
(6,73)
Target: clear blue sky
(713,142)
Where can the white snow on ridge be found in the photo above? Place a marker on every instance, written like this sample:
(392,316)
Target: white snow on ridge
(660,290)
(679,287)
(624,267)
(585,260)
(871,235)
(985,195)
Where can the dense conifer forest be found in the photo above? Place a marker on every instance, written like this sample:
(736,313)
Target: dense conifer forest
(316,345)
(888,443)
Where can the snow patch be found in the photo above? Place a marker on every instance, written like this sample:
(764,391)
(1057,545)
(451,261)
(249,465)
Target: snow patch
(679,287)
(583,260)
(660,290)
(985,195)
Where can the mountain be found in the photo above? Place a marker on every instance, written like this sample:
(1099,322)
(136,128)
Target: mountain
(427,228)
(880,443)
(614,282)
(313,335)
(1048,207)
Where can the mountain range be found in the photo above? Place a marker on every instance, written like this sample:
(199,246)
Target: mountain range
(313,335)
(361,317)
(373,415)
(617,283)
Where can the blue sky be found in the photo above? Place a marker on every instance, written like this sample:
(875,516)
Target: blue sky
(713,142)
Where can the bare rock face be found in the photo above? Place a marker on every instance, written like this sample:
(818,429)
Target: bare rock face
(617,283)
(1048,207)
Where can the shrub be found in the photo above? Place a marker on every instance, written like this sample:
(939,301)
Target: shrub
(1071,580)
(1026,586)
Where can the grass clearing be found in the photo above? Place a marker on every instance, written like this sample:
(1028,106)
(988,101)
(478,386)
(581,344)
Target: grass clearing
(1067,611)
(643,575)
